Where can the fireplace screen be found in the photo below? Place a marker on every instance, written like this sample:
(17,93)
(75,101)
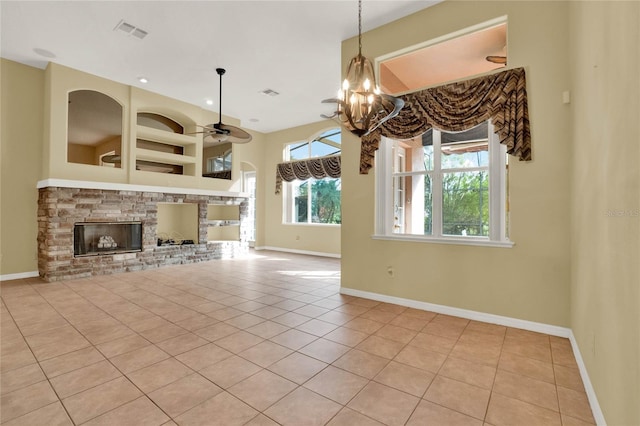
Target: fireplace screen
(94,238)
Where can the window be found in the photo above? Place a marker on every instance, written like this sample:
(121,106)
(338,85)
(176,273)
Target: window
(328,143)
(249,186)
(314,201)
(444,186)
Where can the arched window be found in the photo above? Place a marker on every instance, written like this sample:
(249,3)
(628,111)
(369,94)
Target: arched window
(313,201)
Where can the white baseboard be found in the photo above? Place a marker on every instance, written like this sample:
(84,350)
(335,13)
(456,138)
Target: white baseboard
(19,276)
(552,330)
(288,250)
(598,416)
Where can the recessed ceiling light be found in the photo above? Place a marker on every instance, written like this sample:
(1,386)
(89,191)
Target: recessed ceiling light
(209,102)
(143,80)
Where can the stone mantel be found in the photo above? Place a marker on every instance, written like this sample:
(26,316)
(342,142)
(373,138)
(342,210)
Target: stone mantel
(63,203)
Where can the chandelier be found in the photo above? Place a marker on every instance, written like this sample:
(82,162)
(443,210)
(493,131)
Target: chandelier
(361,106)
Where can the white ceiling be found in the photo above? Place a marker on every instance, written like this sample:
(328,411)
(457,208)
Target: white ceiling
(292,47)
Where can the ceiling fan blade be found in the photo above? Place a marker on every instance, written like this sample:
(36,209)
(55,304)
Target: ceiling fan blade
(212,128)
(502,60)
(207,127)
(112,159)
(236,134)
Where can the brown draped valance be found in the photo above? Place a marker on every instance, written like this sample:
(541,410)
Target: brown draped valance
(319,168)
(501,97)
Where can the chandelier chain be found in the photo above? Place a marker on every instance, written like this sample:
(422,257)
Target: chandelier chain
(360,27)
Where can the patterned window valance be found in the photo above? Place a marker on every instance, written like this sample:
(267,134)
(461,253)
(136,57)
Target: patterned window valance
(501,97)
(319,168)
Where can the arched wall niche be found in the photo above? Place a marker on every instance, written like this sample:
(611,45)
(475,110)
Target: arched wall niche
(160,122)
(188,123)
(94,128)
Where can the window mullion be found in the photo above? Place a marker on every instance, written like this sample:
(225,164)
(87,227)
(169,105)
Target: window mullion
(385,176)
(495,215)
(436,198)
(309,196)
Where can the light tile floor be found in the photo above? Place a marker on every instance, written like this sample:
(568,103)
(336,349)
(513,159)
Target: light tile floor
(266,340)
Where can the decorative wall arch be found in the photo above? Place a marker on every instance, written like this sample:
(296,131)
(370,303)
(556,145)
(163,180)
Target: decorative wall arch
(95,125)
(179,117)
(159,121)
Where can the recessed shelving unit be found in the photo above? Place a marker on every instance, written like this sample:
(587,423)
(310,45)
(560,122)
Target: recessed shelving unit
(165,151)
(223,222)
(177,223)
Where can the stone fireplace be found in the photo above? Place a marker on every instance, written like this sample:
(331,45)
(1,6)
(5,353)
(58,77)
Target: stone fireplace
(88,230)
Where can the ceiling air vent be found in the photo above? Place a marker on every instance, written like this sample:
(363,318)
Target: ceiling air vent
(139,33)
(130,30)
(269,92)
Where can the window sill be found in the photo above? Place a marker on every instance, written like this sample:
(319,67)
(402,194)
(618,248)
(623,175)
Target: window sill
(468,241)
(334,225)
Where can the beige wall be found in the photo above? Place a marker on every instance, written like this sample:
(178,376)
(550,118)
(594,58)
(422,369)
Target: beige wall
(83,154)
(605,296)
(22,88)
(310,238)
(529,281)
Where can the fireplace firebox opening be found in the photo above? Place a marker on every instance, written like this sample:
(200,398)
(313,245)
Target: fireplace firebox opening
(101,238)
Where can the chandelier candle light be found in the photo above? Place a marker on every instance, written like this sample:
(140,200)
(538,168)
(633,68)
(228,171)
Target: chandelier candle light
(362,107)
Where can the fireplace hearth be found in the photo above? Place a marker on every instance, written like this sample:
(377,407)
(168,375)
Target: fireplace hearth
(99,238)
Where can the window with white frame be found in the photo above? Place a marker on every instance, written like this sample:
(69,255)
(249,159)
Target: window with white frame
(313,201)
(443,186)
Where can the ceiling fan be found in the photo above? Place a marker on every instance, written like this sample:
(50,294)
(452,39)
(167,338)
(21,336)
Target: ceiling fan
(111,159)
(220,132)
(498,59)
(502,60)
